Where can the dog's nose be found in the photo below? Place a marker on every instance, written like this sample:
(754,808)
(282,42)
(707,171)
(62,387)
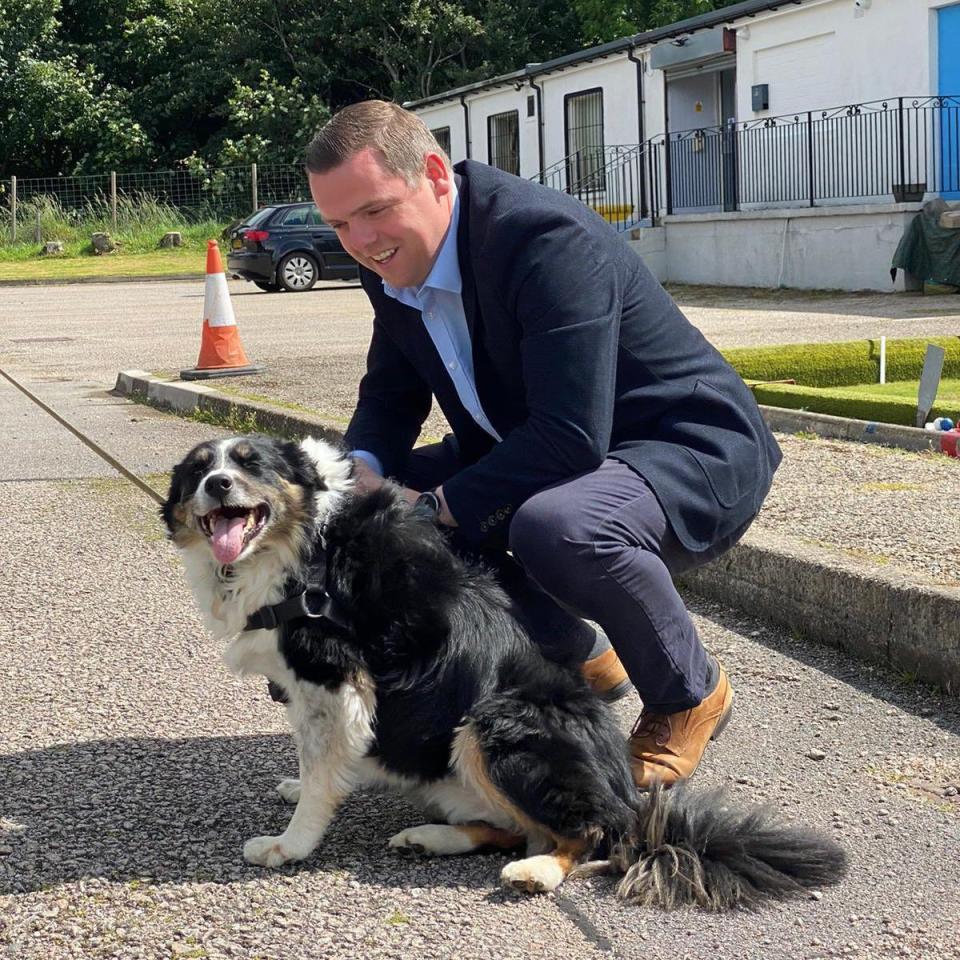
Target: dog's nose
(218,484)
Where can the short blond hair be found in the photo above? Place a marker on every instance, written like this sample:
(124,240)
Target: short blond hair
(399,136)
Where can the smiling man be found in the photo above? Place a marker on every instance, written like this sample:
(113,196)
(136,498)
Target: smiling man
(596,435)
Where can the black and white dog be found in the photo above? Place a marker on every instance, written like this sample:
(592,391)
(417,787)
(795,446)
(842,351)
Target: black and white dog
(404,666)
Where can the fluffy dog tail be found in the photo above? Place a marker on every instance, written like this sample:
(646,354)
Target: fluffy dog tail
(698,849)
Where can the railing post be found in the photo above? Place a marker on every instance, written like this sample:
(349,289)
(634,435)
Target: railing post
(253,184)
(903,157)
(668,183)
(13,209)
(811,180)
(113,199)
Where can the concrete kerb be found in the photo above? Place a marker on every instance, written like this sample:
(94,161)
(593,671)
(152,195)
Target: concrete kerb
(908,626)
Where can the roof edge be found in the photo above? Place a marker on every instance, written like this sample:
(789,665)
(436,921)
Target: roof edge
(703,21)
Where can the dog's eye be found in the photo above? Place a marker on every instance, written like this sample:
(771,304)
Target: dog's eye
(247,459)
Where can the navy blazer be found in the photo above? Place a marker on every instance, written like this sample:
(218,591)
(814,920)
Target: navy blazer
(579,354)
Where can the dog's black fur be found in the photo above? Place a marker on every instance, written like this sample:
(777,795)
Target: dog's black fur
(443,651)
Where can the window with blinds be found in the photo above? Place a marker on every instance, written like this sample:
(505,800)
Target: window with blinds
(583,132)
(503,141)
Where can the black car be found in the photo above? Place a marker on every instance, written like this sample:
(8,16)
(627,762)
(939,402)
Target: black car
(287,247)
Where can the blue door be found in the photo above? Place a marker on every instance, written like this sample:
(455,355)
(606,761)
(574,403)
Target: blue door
(948,31)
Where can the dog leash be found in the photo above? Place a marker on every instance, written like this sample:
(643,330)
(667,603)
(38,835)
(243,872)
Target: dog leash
(81,436)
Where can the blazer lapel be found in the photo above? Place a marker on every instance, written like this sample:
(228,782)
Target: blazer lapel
(493,398)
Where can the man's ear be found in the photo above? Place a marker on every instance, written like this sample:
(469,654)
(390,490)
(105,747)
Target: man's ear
(439,175)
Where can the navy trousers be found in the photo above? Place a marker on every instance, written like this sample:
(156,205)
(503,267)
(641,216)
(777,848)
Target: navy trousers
(596,547)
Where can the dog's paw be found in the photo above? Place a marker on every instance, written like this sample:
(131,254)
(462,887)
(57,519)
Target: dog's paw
(432,840)
(289,790)
(267,852)
(539,874)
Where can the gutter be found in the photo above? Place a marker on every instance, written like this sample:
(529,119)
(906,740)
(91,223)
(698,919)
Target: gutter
(540,149)
(466,124)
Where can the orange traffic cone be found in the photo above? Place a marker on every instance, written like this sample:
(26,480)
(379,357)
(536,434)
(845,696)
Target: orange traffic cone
(221,352)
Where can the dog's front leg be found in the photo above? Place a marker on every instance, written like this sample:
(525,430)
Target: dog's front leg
(333,732)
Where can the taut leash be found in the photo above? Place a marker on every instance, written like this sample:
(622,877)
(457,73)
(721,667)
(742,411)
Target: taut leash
(95,447)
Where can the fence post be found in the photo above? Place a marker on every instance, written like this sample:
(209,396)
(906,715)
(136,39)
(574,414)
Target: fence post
(113,199)
(38,232)
(253,184)
(13,209)
(811,182)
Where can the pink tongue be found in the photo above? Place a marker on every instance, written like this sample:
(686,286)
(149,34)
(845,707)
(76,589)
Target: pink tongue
(227,538)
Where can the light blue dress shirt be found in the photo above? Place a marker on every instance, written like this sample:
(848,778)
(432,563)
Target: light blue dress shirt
(440,304)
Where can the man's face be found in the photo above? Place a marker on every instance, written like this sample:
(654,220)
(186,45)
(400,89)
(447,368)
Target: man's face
(386,225)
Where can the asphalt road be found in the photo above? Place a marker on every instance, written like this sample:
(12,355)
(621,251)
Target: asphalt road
(133,767)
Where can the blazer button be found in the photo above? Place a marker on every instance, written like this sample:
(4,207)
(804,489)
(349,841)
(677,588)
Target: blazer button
(483,526)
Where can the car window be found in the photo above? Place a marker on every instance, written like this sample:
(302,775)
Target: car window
(294,217)
(258,217)
(313,217)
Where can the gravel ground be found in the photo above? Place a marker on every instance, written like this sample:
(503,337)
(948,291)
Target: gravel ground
(132,767)
(876,506)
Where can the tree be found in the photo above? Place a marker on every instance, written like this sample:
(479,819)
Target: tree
(602,21)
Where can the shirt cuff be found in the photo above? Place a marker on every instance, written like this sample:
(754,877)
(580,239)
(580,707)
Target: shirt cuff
(370,459)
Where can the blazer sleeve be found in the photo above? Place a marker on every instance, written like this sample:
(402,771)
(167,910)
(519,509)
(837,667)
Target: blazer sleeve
(565,293)
(393,403)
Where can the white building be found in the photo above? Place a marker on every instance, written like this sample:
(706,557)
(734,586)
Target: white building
(771,142)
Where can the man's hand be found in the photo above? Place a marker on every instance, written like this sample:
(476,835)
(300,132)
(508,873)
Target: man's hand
(365,478)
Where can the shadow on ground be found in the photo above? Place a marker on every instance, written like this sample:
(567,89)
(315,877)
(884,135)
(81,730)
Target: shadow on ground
(149,810)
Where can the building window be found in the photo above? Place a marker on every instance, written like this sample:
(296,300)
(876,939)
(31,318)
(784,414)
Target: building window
(442,136)
(503,141)
(531,106)
(583,132)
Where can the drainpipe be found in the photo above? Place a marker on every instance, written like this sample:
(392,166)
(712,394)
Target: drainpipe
(641,109)
(466,123)
(539,126)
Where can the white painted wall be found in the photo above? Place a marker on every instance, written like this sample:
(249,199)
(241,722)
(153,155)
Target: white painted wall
(840,248)
(617,77)
(448,115)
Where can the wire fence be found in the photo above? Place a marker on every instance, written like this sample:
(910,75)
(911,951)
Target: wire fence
(224,193)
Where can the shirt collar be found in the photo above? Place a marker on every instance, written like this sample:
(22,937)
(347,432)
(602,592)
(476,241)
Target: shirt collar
(445,273)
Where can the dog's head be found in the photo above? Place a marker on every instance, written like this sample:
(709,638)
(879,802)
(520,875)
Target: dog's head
(240,495)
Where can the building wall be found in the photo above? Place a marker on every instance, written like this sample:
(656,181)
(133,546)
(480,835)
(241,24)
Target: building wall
(831,53)
(617,77)
(448,115)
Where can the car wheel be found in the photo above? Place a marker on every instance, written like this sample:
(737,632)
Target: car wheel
(297,272)
(269,287)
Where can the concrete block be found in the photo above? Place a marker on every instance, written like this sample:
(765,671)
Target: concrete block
(182,397)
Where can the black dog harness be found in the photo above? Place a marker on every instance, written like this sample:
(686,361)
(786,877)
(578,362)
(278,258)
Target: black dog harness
(304,601)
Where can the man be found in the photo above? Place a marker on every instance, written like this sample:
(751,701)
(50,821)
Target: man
(596,434)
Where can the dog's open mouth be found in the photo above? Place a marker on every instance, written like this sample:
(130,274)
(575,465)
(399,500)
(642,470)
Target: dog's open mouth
(230,529)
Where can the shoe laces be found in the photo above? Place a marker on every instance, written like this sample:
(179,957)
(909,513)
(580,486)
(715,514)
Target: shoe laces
(656,725)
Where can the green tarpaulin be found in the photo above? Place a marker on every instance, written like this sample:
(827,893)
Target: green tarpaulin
(929,251)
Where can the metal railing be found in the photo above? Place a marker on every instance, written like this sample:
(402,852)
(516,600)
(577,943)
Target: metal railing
(620,182)
(898,149)
(902,149)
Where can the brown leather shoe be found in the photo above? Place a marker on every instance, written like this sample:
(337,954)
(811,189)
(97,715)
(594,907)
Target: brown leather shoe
(606,676)
(668,747)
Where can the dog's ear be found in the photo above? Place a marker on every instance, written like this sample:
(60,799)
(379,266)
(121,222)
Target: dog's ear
(303,470)
(173,497)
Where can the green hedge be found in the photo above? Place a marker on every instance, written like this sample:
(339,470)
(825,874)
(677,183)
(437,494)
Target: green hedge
(841,364)
(846,404)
